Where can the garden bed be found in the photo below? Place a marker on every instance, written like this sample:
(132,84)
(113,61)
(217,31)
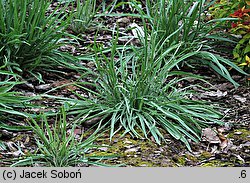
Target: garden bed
(220,145)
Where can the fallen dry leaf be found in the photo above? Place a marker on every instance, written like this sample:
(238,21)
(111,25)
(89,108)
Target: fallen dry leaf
(137,31)
(223,139)
(217,93)
(239,98)
(134,149)
(223,144)
(123,21)
(43,87)
(210,136)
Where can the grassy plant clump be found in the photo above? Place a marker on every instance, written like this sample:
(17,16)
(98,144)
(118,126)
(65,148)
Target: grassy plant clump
(10,100)
(183,22)
(138,93)
(30,38)
(83,17)
(12,104)
(58,147)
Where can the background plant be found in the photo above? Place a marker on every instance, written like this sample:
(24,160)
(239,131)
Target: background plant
(30,38)
(10,100)
(58,147)
(179,21)
(83,16)
(242,28)
(236,9)
(223,8)
(12,103)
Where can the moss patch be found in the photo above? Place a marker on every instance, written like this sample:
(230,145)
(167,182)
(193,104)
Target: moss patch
(127,150)
(218,163)
(239,134)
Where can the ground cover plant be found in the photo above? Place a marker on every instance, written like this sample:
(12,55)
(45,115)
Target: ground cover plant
(83,16)
(242,28)
(12,103)
(10,99)
(148,85)
(223,8)
(58,147)
(189,29)
(29,38)
(133,93)
(239,27)
(127,83)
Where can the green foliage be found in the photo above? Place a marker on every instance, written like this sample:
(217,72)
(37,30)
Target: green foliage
(237,9)
(133,88)
(135,92)
(2,146)
(242,52)
(10,101)
(181,22)
(242,28)
(83,16)
(29,38)
(57,147)
(13,104)
(223,8)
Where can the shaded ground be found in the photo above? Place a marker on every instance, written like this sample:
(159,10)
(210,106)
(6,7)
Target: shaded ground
(228,145)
